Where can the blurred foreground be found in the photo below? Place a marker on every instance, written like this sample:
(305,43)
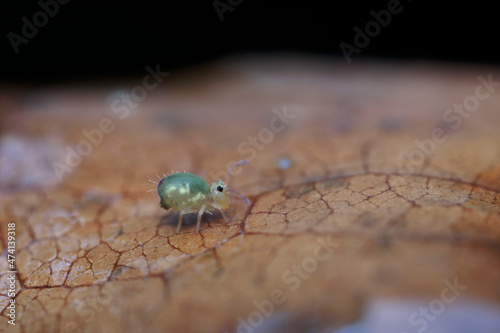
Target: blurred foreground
(373,183)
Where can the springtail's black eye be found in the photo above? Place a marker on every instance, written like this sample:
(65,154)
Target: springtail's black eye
(220,188)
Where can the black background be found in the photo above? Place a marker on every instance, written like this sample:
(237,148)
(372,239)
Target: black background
(95,40)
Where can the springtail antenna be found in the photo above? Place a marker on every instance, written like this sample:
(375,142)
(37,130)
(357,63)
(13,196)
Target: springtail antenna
(242,197)
(242,162)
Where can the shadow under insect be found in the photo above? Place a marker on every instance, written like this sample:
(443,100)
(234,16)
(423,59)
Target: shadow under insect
(171,219)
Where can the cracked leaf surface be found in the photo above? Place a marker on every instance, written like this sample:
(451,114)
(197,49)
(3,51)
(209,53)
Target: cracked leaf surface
(95,253)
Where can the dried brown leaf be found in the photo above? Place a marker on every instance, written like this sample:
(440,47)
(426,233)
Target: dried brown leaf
(346,222)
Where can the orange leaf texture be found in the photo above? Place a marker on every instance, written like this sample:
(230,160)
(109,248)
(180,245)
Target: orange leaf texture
(369,183)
